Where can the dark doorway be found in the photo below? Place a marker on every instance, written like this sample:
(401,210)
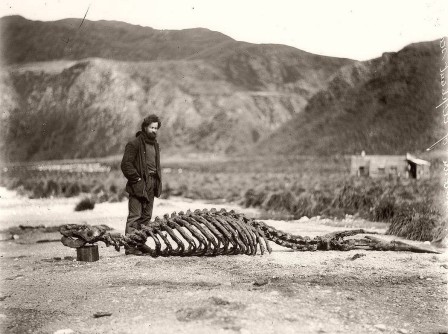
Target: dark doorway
(412,170)
(363,171)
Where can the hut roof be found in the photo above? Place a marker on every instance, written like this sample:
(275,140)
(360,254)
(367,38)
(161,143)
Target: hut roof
(417,161)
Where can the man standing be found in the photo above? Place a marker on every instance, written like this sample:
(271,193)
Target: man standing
(141,167)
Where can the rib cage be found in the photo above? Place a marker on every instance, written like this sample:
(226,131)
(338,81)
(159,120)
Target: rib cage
(212,233)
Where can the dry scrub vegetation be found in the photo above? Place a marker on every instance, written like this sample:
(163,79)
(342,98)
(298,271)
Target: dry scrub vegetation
(282,188)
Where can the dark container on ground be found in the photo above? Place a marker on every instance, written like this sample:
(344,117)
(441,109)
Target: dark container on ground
(88,253)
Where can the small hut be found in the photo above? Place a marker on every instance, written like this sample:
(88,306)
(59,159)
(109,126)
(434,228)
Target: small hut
(406,166)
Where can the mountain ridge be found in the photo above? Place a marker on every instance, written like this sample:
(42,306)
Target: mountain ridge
(28,40)
(382,106)
(213,94)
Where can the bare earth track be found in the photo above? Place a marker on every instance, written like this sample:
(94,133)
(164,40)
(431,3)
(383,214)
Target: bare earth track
(43,289)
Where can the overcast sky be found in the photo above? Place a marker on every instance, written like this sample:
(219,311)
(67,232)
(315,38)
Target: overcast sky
(345,28)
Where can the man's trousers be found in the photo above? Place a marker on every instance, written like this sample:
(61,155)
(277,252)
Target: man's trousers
(140,209)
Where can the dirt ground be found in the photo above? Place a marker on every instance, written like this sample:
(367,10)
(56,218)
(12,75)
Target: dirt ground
(45,290)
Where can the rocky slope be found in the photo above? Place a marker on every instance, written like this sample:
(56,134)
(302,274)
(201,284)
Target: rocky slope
(90,108)
(223,96)
(386,105)
(85,97)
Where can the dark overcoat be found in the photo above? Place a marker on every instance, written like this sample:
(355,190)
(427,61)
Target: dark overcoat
(133,166)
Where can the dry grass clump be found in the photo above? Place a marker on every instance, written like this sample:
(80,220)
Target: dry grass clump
(85,204)
(280,201)
(253,198)
(408,205)
(417,222)
(106,186)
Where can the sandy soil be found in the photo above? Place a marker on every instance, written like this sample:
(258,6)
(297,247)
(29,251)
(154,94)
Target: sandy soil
(45,290)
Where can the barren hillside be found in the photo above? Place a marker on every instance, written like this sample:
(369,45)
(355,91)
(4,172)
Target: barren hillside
(223,96)
(386,105)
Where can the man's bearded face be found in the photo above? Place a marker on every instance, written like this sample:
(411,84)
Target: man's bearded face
(151,130)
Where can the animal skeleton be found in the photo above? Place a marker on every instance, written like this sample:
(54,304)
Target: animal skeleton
(212,233)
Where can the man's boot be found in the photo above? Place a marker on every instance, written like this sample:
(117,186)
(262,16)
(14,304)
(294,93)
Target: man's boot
(133,251)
